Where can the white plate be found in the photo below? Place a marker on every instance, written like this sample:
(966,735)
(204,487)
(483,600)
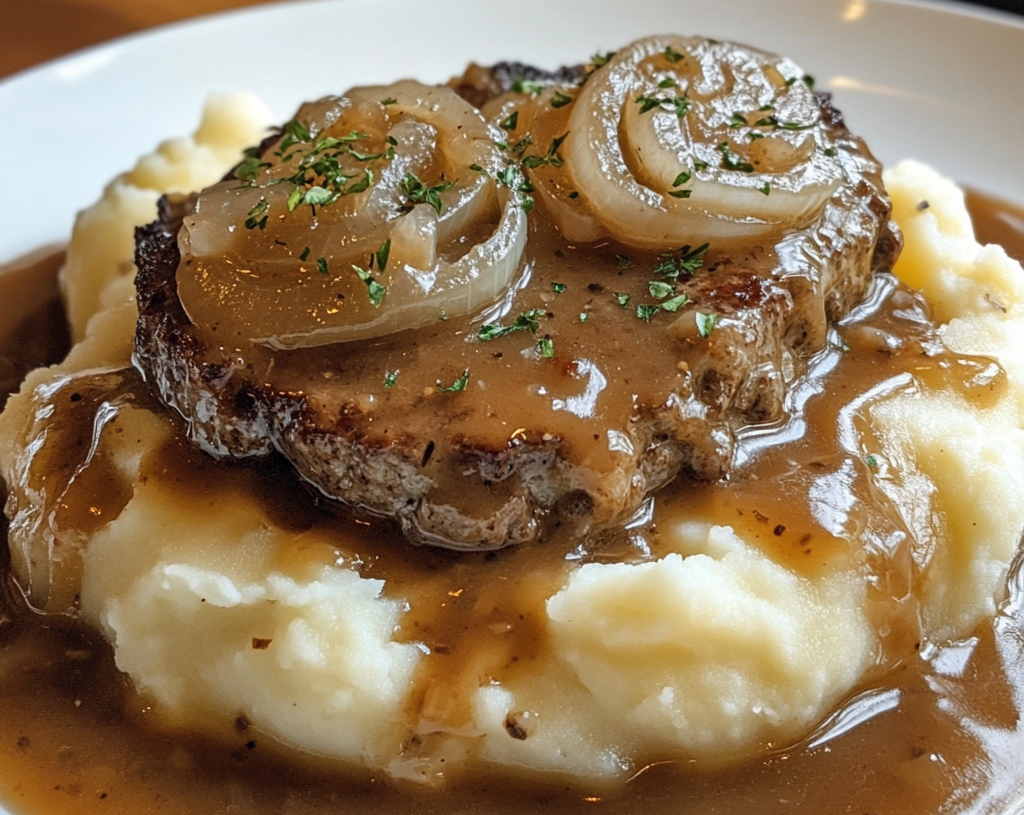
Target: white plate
(938,82)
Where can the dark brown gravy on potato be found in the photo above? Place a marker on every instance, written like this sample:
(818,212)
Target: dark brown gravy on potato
(929,735)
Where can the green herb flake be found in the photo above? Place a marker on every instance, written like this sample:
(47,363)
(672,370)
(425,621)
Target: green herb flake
(305,254)
(675,303)
(659,289)
(672,55)
(700,165)
(584,316)
(375,290)
(297,130)
(730,161)
(390,378)
(676,104)
(248,170)
(667,83)
(767,188)
(321,264)
(646,312)
(560,100)
(527,86)
(389,101)
(317,197)
(622,298)
(511,122)
(682,178)
(476,168)
(295,198)
(458,386)
(381,255)
(597,60)
(623,261)
(528,203)
(558,288)
(872,462)
(257,216)
(738,120)
(419,193)
(680,193)
(808,81)
(546,347)
(527,321)
(683,261)
(706,323)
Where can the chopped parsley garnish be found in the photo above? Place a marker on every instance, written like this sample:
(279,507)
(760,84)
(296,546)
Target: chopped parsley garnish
(622,298)
(676,104)
(682,178)
(706,323)
(623,261)
(584,316)
(527,86)
(683,261)
(872,462)
(317,196)
(458,386)
(558,288)
(476,168)
(675,303)
(375,290)
(738,120)
(419,193)
(700,165)
(511,122)
(680,193)
(551,157)
(305,254)
(381,256)
(546,347)
(527,321)
(520,146)
(528,203)
(560,100)
(730,161)
(257,216)
(363,156)
(659,289)
(767,188)
(597,60)
(672,55)
(389,101)
(321,264)
(390,378)
(645,312)
(667,83)
(248,169)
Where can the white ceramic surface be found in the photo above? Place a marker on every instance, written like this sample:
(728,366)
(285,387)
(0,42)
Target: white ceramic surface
(937,81)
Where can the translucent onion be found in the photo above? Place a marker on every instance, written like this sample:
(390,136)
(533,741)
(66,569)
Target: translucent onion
(682,140)
(263,261)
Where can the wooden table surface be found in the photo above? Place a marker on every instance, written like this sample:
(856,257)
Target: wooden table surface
(33,31)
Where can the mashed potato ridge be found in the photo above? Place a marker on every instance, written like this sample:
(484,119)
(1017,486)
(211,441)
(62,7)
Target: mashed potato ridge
(709,651)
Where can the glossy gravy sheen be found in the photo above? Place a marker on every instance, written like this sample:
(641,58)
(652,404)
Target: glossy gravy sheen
(919,737)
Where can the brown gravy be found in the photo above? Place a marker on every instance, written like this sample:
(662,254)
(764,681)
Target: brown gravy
(943,734)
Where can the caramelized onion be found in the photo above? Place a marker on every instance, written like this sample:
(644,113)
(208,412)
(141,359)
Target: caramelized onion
(681,140)
(374,212)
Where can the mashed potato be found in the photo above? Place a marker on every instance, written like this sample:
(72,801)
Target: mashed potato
(709,651)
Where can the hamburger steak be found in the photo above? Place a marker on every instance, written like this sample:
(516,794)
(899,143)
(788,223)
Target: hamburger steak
(604,362)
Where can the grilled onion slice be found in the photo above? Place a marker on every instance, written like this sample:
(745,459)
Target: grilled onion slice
(374,212)
(680,140)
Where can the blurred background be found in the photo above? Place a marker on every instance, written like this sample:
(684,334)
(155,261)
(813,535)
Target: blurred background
(33,31)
